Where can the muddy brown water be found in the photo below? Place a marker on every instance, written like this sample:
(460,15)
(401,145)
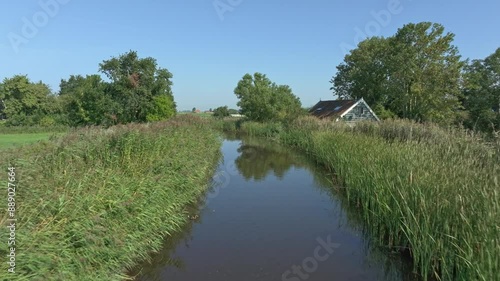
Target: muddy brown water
(271,215)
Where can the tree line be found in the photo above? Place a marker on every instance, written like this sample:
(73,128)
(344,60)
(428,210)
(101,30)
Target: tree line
(415,74)
(418,74)
(137,90)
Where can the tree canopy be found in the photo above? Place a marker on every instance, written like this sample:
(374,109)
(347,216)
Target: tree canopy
(414,74)
(221,112)
(138,91)
(26,103)
(481,91)
(263,100)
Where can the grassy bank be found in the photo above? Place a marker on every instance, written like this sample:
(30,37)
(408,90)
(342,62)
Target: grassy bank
(9,140)
(422,190)
(93,203)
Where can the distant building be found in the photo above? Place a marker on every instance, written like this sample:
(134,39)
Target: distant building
(344,110)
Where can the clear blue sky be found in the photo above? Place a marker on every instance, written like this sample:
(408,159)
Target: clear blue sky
(294,42)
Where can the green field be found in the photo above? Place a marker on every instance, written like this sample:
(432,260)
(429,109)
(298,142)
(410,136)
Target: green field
(9,140)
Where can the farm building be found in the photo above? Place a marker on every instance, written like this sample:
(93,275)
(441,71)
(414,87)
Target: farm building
(347,110)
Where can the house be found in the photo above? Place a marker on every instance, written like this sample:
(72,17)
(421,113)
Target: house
(347,110)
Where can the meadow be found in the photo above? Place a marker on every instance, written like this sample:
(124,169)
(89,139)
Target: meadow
(424,191)
(9,140)
(93,203)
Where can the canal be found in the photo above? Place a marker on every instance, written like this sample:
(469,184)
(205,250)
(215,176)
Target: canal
(271,214)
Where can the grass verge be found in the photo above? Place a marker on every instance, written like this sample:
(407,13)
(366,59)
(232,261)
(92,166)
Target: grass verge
(92,204)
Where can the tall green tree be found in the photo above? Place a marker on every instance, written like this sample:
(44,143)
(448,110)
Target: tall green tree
(87,101)
(263,100)
(414,74)
(482,93)
(425,71)
(24,102)
(364,73)
(135,85)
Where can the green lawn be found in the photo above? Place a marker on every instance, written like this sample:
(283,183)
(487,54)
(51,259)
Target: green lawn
(9,140)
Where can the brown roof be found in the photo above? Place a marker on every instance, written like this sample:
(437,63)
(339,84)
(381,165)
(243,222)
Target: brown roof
(331,108)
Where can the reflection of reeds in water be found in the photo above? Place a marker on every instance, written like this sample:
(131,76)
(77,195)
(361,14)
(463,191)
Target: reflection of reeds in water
(260,157)
(432,193)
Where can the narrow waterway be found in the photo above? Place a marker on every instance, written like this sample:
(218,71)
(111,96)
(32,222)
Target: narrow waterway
(271,214)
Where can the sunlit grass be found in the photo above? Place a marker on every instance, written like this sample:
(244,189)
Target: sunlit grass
(10,140)
(95,202)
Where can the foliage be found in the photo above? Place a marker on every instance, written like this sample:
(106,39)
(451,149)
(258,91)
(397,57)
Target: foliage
(135,82)
(138,91)
(482,93)
(263,100)
(420,189)
(221,112)
(104,198)
(87,101)
(163,107)
(414,74)
(27,103)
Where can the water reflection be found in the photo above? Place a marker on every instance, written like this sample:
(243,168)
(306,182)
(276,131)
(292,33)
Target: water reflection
(257,162)
(206,246)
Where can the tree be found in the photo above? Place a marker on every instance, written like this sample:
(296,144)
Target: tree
(193,110)
(221,112)
(414,74)
(364,73)
(425,69)
(25,102)
(263,100)
(482,93)
(135,84)
(163,107)
(87,101)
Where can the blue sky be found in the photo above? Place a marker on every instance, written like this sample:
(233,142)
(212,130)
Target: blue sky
(294,42)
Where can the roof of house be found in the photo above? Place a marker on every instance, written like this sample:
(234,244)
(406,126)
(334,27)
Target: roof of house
(331,108)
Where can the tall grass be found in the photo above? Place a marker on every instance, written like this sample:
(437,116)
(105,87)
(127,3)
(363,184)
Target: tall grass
(430,192)
(94,203)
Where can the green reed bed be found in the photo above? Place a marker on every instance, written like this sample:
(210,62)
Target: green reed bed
(430,192)
(97,201)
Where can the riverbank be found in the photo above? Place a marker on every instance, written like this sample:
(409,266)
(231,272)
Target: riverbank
(93,203)
(428,192)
